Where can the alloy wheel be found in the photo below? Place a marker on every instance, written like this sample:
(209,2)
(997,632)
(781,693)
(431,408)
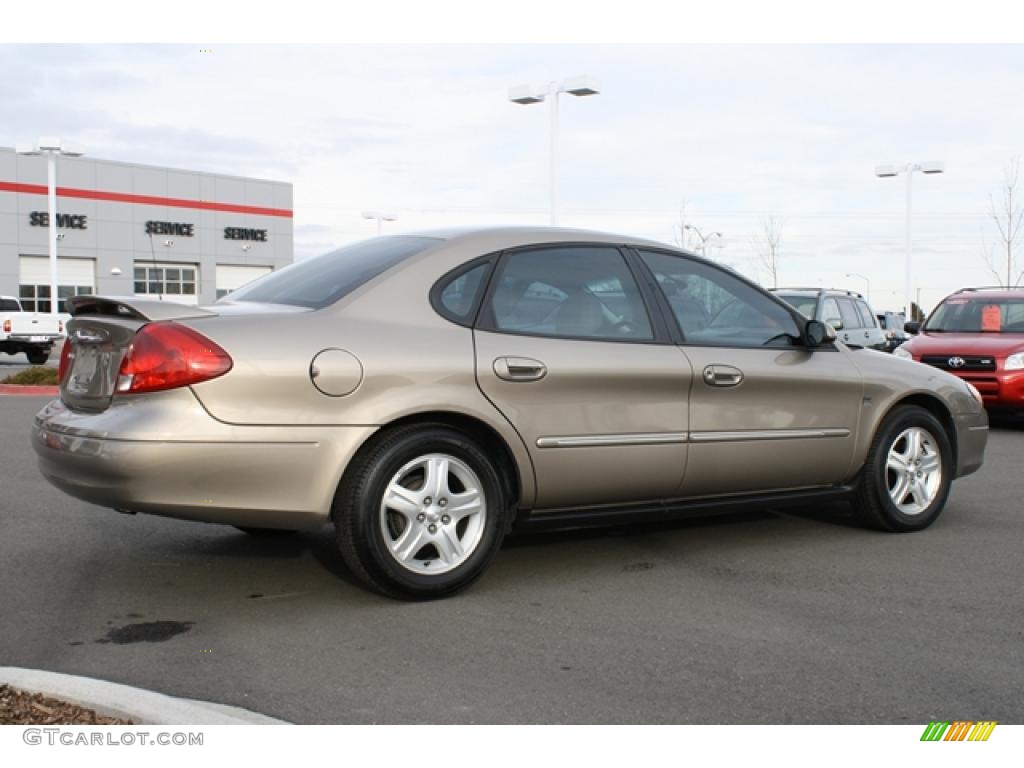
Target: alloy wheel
(913,470)
(433,514)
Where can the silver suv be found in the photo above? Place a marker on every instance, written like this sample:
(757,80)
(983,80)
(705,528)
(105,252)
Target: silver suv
(846,311)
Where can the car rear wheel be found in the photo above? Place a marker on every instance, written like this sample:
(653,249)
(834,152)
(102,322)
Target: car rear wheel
(420,513)
(37,356)
(908,473)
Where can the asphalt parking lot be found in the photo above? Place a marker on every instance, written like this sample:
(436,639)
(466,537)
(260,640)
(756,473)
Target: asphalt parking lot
(769,617)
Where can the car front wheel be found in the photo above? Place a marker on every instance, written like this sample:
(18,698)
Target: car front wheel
(421,513)
(908,473)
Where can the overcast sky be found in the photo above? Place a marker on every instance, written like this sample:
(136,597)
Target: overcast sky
(737,133)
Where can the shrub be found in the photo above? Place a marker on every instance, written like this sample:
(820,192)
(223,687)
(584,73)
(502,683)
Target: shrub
(37,376)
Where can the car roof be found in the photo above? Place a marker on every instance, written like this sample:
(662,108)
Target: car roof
(497,238)
(990,292)
(818,291)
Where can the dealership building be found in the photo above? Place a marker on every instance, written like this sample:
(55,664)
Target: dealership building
(126,229)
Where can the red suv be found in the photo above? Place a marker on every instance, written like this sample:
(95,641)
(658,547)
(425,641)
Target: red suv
(977,334)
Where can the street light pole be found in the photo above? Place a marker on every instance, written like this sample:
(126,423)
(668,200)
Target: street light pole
(553,154)
(888,171)
(703,238)
(51,207)
(379,216)
(51,147)
(908,278)
(528,94)
(867,282)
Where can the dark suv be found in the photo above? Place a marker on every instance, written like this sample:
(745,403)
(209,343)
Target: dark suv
(846,311)
(977,334)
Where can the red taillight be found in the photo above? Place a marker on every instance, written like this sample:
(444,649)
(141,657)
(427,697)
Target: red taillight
(7,326)
(166,355)
(65,361)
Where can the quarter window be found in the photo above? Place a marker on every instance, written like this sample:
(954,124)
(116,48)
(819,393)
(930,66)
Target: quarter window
(716,308)
(458,296)
(584,292)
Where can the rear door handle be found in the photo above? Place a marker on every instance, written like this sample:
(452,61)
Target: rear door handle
(722,376)
(519,369)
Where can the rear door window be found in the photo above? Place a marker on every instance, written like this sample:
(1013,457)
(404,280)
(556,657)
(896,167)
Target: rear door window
(582,292)
(848,313)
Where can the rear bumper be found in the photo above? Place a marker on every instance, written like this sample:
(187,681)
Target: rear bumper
(163,454)
(41,338)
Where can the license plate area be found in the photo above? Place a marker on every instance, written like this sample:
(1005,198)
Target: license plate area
(98,345)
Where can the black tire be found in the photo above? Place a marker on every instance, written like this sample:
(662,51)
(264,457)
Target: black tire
(37,356)
(358,515)
(265,533)
(872,501)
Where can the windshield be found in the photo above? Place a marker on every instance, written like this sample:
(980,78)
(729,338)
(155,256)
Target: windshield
(807,305)
(961,314)
(322,280)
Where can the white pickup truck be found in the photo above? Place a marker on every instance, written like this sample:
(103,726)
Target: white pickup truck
(33,333)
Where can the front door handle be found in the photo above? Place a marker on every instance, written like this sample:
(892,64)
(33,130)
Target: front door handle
(722,376)
(519,369)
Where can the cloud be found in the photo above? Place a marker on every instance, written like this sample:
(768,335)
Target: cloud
(738,132)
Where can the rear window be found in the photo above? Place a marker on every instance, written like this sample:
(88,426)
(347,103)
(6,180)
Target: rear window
(321,281)
(9,305)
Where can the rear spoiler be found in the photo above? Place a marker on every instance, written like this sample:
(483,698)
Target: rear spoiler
(133,307)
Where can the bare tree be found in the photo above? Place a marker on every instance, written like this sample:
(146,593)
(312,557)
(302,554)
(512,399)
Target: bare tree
(768,244)
(1008,215)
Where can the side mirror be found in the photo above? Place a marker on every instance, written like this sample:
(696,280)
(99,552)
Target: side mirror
(818,333)
(912,327)
(835,323)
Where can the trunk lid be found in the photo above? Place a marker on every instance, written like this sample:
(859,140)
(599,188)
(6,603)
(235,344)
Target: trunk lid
(100,332)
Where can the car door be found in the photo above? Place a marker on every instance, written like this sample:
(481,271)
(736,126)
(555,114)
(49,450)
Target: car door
(853,330)
(874,337)
(568,351)
(766,412)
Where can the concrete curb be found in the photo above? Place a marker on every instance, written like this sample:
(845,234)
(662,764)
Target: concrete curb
(28,389)
(128,703)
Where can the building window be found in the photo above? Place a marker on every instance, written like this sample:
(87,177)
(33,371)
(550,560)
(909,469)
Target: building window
(36,298)
(165,280)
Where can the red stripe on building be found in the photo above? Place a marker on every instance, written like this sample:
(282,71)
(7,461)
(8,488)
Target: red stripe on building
(121,197)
